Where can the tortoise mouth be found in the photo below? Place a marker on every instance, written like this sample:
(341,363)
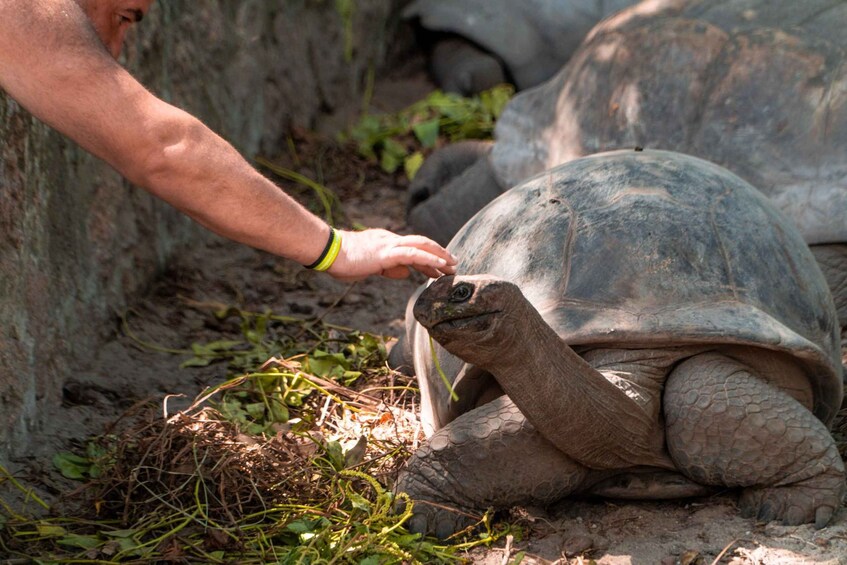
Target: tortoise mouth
(475,322)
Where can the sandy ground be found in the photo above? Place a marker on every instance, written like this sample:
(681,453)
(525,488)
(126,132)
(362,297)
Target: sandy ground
(175,314)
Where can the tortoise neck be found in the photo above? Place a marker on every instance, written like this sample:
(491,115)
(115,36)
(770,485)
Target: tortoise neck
(570,403)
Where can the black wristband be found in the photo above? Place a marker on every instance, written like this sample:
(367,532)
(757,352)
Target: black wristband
(324,253)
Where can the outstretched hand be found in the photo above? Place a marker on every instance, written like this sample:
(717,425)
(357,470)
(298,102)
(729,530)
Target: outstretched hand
(381,252)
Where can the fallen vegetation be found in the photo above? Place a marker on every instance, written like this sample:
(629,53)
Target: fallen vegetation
(289,461)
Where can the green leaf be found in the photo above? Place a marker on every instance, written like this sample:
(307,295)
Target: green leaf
(254,429)
(120,533)
(71,466)
(412,163)
(427,132)
(405,539)
(72,458)
(196,362)
(325,364)
(457,112)
(94,450)
(494,100)
(374,344)
(349,377)
(393,154)
(440,100)
(358,501)
(255,410)
(370,560)
(82,542)
(270,383)
(295,397)
(50,530)
(335,454)
(279,411)
(301,526)
(231,410)
(128,544)
(220,345)
(366,130)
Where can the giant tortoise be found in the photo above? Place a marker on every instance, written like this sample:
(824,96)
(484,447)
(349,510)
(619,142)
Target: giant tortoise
(627,319)
(758,86)
(477,44)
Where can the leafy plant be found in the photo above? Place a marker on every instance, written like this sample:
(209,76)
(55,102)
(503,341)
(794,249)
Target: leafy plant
(401,140)
(98,458)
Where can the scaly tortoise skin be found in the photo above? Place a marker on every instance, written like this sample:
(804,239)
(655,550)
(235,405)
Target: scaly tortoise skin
(628,318)
(756,86)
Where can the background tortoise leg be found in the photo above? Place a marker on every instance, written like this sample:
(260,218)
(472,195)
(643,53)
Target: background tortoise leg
(726,426)
(443,166)
(832,259)
(460,66)
(488,457)
(443,212)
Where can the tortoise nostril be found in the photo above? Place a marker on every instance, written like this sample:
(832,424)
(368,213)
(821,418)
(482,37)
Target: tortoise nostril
(461,293)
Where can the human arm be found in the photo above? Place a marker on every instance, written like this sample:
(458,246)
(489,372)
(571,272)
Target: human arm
(53,64)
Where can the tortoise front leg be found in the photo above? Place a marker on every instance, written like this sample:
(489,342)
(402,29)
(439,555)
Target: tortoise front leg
(490,457)
(727,426)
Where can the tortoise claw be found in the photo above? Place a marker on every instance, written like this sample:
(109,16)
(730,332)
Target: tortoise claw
(440,521)
(822,516)
(767,512)
(417,524)
(432,513)
(812,500)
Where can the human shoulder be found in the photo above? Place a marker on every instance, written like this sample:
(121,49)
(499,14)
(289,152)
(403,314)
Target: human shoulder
(49,22)
(36,32)
(46,46)
(54,65)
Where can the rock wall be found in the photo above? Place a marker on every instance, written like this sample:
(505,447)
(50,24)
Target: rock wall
(77,242)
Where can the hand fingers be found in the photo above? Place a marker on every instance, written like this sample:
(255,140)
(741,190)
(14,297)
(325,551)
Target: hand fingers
(426,244)
(425,262)
(380,252)
(430,272)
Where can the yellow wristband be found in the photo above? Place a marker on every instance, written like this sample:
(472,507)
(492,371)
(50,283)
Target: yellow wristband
(330,252)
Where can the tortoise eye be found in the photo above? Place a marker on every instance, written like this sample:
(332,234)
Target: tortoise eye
(461,293)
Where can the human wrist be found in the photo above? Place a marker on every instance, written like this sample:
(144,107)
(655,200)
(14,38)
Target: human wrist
(330,252)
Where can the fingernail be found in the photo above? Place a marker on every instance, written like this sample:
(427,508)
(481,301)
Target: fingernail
(454,258)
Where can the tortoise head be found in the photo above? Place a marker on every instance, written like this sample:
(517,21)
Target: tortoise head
(469,314)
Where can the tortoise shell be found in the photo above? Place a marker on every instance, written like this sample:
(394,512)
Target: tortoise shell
(646,249)
(757,86)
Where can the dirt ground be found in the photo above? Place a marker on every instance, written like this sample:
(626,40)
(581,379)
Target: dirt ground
(175,314)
